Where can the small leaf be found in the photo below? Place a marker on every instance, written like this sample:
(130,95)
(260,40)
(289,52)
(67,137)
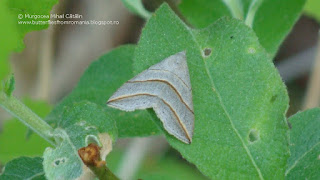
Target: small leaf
(80,124)
(99,82)
(239,99)
(9,86)
(23,168)
(304,162)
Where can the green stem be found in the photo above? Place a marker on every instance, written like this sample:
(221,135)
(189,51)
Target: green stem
(26,116)
(252,12)
(103,173)
(235,6)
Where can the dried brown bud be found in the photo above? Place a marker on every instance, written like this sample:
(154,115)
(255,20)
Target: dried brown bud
(90,155)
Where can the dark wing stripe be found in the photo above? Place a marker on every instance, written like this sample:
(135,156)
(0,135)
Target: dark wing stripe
(171,73)
(173,111)
(172,87)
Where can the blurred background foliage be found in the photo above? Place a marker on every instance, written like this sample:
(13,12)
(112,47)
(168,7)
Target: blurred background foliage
(53,60)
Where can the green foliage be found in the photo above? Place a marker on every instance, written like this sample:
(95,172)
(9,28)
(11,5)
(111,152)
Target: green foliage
(99,82)
(12,33)
(79,126)
(237,93)
(304,162)
(271,20)
(8,39)
(23,168)
(29,7)
(15,131)
(312,8)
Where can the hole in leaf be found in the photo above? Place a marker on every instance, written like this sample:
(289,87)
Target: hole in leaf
(231,37)
(253,136)
(273,98)
(207,52)
(57,162)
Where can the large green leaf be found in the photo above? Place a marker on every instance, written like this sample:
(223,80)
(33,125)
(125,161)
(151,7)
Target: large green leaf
(271,20)
(312,9)
(78,126)
(15,131)
(23,168)
(238,96)
(304,162)
(99,82)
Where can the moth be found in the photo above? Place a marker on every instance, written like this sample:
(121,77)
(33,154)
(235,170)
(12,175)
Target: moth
(166,88)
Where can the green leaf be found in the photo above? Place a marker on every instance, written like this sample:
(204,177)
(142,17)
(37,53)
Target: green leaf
(239,98)
(21,9)
(8,38)
(79,125)
(312,8)
(15,131)
(23,168)
(99,82)
(271,20)
(9,86)
(304,162)
(136,7)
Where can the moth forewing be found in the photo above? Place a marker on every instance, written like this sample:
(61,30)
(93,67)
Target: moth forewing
(166,88)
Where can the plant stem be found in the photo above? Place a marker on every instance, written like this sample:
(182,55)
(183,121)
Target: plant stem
(26,116)
(103,173)
(235,6)
(254,6)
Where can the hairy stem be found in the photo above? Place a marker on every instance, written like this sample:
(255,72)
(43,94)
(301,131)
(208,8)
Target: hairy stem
(26,116)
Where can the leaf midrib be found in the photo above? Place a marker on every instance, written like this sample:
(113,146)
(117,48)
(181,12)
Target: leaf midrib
(224,108)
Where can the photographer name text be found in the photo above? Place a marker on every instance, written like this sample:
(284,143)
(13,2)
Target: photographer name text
(51,16)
